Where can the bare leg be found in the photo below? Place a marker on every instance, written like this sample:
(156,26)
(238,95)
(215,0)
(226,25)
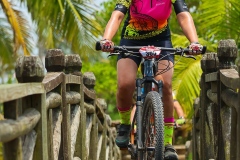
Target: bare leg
(167,87)
(126,72)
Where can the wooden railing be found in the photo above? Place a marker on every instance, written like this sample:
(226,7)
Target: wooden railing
(216,121)
(55,115)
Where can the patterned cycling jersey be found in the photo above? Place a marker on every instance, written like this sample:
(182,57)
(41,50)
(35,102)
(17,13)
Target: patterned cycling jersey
(147,18)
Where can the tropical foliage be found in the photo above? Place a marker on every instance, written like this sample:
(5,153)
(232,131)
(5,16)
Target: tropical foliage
(70,25)
(28,26)
(219,20)
(215,20)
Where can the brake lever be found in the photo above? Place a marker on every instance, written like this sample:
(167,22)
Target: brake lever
(189,56)
(112,54)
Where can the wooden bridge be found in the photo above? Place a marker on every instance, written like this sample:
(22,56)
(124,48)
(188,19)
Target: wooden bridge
(56,115)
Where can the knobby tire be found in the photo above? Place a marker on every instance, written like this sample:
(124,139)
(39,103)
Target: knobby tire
(153,126)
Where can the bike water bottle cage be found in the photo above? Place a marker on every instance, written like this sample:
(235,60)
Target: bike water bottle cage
(150,52)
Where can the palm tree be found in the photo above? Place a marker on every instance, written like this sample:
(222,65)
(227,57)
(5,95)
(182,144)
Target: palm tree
(70,25)
(15,35)
(19,26)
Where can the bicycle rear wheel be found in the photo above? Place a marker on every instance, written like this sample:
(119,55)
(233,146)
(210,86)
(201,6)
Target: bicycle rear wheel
(153,127)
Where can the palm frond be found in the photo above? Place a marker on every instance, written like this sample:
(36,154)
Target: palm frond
(182,41)
(72,24)
(186,77)
(20,25)
(220,24)
(6,39)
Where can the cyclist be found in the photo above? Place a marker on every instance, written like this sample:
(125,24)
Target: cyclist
(146,24)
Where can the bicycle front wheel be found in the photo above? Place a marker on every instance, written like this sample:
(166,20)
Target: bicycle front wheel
(153,127)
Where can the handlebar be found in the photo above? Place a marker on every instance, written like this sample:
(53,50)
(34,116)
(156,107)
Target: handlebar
(177,51)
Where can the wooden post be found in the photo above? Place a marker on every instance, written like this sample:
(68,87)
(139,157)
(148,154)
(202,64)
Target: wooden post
(102,103)
(209,64)
(12,149)
(73,65)
(81,135)
(227,52)
(89,81)
(54,62)
(238,117)
(31,69)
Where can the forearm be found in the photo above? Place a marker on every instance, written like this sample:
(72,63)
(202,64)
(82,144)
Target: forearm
(113,25)
(178,109)
(186,22)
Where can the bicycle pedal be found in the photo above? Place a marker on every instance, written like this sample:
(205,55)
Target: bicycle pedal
(132,151)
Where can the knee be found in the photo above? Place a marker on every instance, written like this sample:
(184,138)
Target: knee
(167,89)
(126,86)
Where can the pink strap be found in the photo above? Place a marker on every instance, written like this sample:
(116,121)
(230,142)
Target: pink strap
(124,109)
(169,120)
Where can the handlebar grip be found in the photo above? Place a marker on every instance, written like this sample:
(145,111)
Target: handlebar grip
(204,49)
(98,46)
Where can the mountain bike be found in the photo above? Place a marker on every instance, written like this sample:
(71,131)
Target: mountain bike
(147,127)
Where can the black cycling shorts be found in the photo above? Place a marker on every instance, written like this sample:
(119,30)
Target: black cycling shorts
(157,41)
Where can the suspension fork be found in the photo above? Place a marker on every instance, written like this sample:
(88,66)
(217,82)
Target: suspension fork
(139,113)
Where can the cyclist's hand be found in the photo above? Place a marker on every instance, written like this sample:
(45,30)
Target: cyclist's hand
(107,45)
(195,48)
(180,121)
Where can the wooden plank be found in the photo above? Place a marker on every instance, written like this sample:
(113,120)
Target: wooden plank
(11,129)
(89,125)
(89,94)
(29,144)
(99,146)
(101,106)
(41,148)
(53,100)
(50,133)
(15,91)
(75,121)
(12,149)
(52,80)
(66,129)
(93,139)
(57,132)
(73,79)
(230,98)
(80,150)
(211,77)
(212,96)
(90,109)
(230,78)
(73,97)
(104,153)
